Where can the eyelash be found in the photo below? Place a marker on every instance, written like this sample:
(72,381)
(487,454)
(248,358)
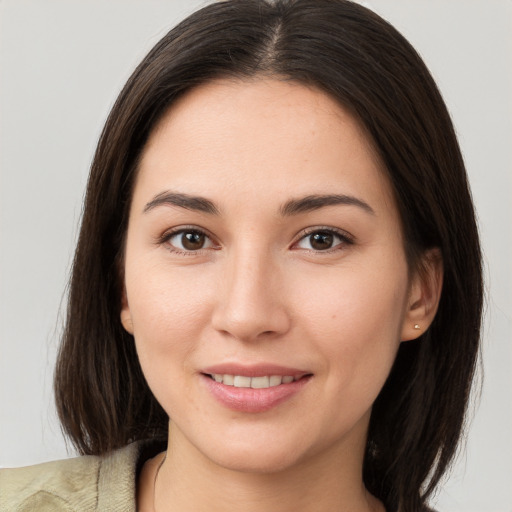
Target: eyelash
(344,237)
(166,237)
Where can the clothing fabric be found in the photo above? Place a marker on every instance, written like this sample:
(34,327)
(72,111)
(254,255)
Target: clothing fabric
(82,484)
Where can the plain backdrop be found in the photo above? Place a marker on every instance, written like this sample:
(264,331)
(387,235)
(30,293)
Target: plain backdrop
(62,63)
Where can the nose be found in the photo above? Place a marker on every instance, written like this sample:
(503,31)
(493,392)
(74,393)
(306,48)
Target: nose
(250,303)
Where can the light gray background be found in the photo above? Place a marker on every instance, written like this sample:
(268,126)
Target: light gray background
(62,63)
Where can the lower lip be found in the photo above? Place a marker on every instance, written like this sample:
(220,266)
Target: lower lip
(253,400)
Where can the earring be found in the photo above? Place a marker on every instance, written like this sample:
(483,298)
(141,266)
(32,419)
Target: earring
(416,326)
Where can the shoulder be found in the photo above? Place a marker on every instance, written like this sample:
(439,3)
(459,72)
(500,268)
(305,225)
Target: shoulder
(85,483)
(58,485)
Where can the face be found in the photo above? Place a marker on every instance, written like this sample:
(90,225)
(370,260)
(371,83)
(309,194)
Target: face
(266,283)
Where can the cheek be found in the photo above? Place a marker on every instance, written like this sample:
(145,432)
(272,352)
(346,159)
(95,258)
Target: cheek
(356,320)
(168,311)
(163,301)
(357,299)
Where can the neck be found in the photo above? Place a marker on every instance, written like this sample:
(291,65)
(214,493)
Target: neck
(331,481)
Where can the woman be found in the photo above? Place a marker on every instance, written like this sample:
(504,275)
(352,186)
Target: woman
(276,294)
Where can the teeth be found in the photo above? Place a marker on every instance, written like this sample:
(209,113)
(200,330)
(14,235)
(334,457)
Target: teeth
(275,380)
(241,381)
(260,382)
(229,380)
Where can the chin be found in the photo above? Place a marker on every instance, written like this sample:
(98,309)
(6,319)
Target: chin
(267,462)
(259,454)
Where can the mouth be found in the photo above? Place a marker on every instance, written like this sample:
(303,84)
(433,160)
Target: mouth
(260,382)
(254,389)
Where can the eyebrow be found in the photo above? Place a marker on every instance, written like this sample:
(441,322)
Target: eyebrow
(195,203)
(291,207)
(314,202)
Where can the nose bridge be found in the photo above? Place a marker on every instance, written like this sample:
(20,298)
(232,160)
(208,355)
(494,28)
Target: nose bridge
(249,304)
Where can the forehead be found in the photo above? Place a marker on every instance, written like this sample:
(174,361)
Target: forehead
(275,136)
(258,104)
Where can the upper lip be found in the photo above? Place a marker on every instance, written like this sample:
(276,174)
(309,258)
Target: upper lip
(254,370)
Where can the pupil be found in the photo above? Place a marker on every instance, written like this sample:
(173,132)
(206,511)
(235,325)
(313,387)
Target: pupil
(192,241)
(321,241)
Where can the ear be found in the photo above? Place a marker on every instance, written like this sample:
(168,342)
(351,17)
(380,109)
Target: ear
(126,315)
(424,295)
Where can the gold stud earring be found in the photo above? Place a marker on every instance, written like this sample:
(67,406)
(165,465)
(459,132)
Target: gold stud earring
(416,326)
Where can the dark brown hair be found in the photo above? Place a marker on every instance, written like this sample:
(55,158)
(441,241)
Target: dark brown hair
(360,60)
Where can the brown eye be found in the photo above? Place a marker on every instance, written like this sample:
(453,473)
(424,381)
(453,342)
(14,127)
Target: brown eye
(323,240)
(189,240)
(192,241)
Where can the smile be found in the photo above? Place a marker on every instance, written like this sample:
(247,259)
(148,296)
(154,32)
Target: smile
(254,389)
(242,381)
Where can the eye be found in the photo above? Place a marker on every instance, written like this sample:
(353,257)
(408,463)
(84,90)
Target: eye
(187,240)
(322,240)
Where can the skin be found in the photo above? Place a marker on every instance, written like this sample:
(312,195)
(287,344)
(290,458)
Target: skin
(258,291)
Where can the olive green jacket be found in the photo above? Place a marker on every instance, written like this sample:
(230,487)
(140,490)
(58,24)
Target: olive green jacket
(82,484)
